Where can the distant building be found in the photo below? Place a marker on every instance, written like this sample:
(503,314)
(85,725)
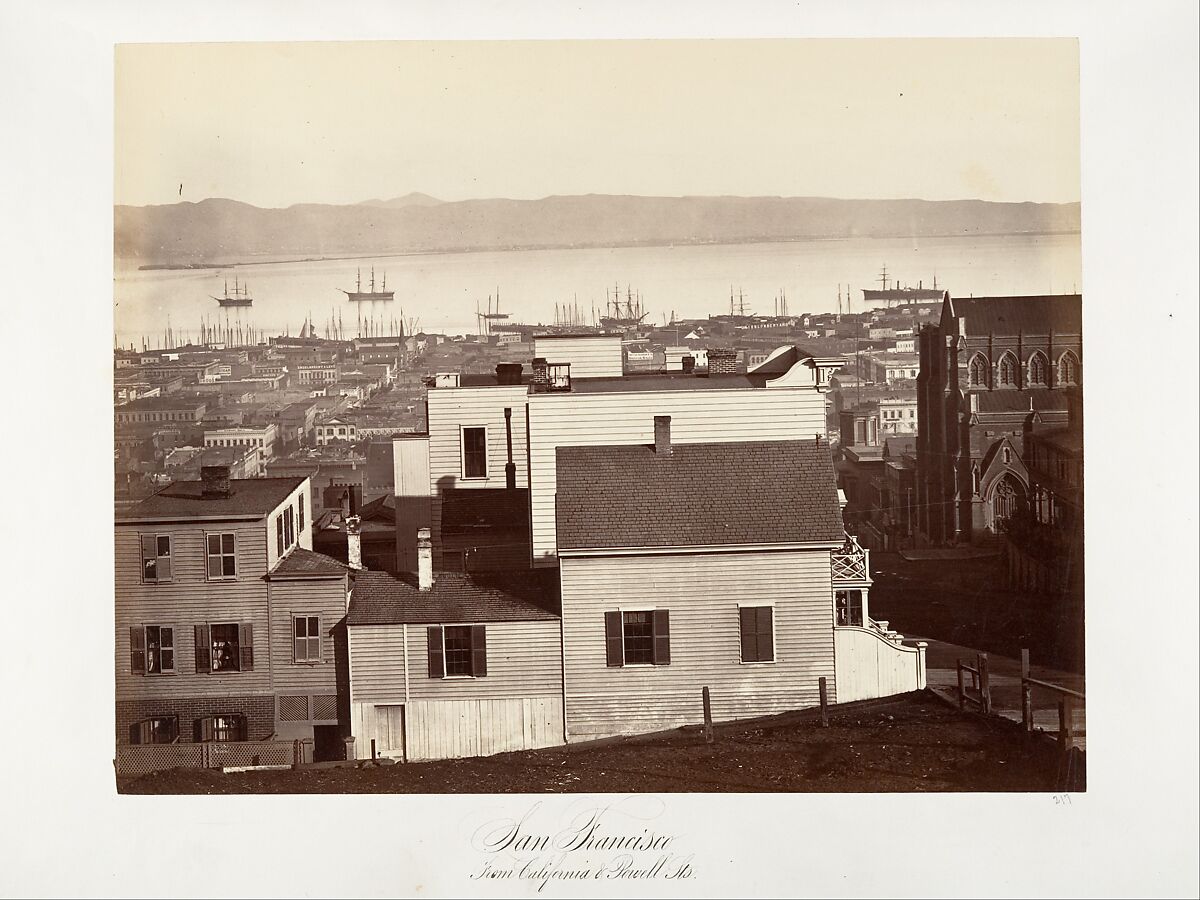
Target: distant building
(898,415)
(161,409)
(335,429)
(263,437)
(993,370)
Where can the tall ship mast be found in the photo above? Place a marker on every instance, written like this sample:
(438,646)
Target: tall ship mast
(240,295)
(892,294)
(623,315)
(358,294)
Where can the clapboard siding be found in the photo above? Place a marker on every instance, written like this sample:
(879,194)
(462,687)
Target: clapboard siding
(451,729)
(598,356)
(189,600)
(524,659)
(324,597)
(702,592)
(303,535)
(450,409)
(562,420)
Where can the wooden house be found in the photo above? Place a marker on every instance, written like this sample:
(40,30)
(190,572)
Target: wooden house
(454,664)
(225,618)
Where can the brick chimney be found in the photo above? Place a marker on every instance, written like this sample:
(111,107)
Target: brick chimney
(662,435)
(214,482)
(354,542)
(722,361)
(424,559)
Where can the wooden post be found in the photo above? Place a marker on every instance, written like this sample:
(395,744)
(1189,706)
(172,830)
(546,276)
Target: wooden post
(297,756)
(1026,693)
(985,687)
(824,702)
(708,729)
(373,754)
(962,692)
(1065,737)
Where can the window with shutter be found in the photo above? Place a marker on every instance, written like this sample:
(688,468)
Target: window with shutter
(156,557)
(479,650)
(757,633)
(225,649)
(156,730)
(457,642)
(137,650)
(612,639)
(437,667)
(638,638)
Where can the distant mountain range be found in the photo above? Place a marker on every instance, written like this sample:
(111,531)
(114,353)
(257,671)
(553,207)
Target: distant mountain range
(227,231)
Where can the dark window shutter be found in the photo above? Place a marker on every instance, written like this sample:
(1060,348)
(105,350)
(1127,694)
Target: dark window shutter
(174,728)
(766,637)
(137,650)
(437,664)
(749,643)
(612,638)
(662,637)
(203,649)
(144,735)
(478,650)
(246,646)
(206,729)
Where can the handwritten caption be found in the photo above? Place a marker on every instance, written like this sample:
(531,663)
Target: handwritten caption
(595,844)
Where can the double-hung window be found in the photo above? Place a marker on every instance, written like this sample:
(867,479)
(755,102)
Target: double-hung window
(222,560)
(306,632)
(156,558)
(152,650)
(225,647)
(457,651)
(474,452)
(638,637)
(849,608)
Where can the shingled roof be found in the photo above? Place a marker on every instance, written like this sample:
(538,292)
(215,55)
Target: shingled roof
(303,563)
(248,497)
(456,598)
(755,492)
(1022,401)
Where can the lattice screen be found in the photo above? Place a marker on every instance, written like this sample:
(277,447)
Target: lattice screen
(325,708)
(293,709)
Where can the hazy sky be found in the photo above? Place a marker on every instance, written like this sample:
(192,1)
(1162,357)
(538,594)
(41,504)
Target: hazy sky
(276,124)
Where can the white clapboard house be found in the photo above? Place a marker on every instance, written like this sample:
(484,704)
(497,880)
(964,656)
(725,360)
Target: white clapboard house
(681,530)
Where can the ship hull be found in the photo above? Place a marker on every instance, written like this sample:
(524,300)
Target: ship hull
(366,296)
(236,303)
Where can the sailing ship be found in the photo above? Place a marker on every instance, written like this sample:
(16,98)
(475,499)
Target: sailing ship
(624,315)
(358,294)
(240,296)
(895,295)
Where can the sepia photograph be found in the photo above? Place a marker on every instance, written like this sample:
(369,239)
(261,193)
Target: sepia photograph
(430,446)
(602,450)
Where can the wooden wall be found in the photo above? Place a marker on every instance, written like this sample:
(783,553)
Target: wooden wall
(189,600)
(592,356)
(324,597)
(524,659)
(869,665)
(702,592)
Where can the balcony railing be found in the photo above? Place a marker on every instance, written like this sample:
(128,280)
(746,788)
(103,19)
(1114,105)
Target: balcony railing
(851,564)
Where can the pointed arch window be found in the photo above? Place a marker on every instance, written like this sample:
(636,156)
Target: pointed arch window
(1068,368)
(977,371)
(1038,369)
(1007,371)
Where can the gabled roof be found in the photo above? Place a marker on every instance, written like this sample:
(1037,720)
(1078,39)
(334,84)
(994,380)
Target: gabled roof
(248,497)
(1013,315)
(754,492)
(302,563)
(382,599)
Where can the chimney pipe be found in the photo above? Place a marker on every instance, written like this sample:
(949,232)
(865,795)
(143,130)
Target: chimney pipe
(424,560)
(662,435)
(214,482)
(510,467)
(354,542)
